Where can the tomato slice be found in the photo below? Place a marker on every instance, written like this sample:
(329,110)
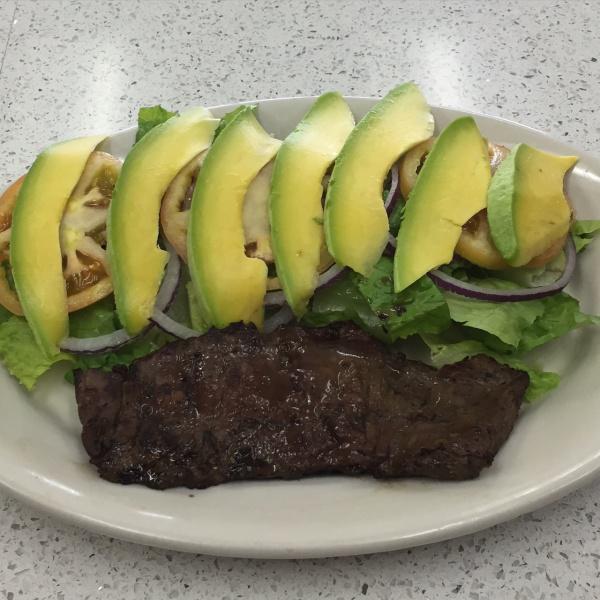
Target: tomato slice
(411,164)
(82,236)
(174,214)
(8,297)
(475,243)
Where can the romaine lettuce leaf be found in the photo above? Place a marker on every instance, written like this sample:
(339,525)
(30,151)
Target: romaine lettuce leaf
(149,117)
(583,233)
(504,320)
(141,346)
(421,308)
(343,301)
(372,304)
(503,330)
(396,217)
(97,319)
(20,353)
(444,353)
(378,288)
(561,315)
(515,326)
(100,319)
(452,326)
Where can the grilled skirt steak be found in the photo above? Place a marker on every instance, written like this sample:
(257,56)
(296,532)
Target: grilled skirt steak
(234,405)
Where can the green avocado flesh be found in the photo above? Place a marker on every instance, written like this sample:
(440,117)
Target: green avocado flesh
(136,262)
(449,190)
(296,212)
(527,208)
(356,222)
(229,285)
(35,252)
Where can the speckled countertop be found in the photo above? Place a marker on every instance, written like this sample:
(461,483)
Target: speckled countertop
(72,67)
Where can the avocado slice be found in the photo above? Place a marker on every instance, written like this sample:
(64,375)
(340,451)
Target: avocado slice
(527,208)
(35,252)
(136,262)
(449,190)
(356,222)
(296,212)
(229,286)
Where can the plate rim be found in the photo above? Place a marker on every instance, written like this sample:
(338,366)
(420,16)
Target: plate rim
(529,502)
(542,495)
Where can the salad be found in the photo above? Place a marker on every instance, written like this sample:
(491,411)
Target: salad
(451,241)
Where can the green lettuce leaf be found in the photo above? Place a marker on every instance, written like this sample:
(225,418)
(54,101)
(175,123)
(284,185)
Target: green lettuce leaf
(372,304)
(20,353)
(100,319)
(444,353)
(149,117)
(561,315)
(141,346)
(97,319)
(343,301)
(452,326)
(378,288)
(517,326)
(396,217)
(583,233)
(421,308)
(504,320)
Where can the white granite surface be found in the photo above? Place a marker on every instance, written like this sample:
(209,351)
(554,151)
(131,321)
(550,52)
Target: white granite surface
(72,67)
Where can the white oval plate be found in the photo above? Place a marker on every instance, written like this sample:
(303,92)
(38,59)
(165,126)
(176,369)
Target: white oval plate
(554,448)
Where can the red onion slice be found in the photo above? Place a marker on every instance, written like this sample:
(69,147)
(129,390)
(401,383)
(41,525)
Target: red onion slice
(281,317)
(112,341)
(99,344)
(182,332)
(170,282)
(394,192)
(274,298)
(390,247)
(330,275)
(172,327)
(327,277)
(451,284)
